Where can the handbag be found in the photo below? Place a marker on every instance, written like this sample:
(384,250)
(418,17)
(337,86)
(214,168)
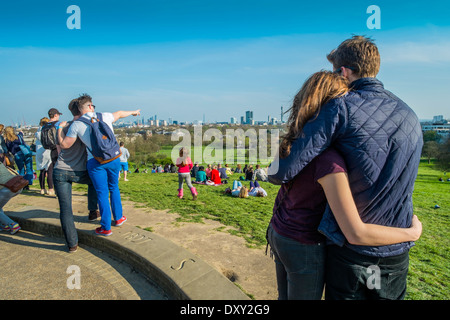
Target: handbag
(16,183)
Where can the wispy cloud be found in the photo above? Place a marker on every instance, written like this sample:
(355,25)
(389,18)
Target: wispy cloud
(416,52)
(220,78)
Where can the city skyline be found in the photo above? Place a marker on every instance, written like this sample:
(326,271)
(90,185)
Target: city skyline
(192,59)
(145,120)
(436,119)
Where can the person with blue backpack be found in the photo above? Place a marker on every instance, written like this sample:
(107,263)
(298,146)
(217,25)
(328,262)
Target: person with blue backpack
(96,131)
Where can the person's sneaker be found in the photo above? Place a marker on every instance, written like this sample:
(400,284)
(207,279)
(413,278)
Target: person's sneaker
(102,232)
(73,249)
(121,221)
(6,228)
(94,215)
(14,228)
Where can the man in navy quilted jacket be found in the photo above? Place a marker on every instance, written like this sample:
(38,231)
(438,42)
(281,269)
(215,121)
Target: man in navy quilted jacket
(380,138)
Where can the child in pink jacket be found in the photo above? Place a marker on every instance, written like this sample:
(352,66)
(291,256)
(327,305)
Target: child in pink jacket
(184,164)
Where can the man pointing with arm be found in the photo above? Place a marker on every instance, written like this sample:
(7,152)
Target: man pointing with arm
(104,176)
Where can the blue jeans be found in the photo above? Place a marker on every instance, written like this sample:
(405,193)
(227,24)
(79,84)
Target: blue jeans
(105,178)
(254,184)
(24,166)
(5,196)
(300,268)
(63,180)
(236,184)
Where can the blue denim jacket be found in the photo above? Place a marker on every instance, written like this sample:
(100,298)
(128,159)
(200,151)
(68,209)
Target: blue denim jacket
(380,138)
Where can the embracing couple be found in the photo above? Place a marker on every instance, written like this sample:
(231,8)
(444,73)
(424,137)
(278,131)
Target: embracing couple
(343,218)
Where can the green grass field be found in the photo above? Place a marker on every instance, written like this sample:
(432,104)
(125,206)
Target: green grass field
(249,216)
(429,268)
(429,273)
(208,155)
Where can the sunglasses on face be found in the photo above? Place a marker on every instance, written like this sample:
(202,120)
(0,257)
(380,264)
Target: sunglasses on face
(339,70)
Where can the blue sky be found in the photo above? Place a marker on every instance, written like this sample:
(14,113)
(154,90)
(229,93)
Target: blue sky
(183,59)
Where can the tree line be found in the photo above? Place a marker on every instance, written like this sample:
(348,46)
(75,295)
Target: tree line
(436,147)
(145,147)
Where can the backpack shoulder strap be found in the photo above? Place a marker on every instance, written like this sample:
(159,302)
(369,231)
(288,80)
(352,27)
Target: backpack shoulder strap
(84,120)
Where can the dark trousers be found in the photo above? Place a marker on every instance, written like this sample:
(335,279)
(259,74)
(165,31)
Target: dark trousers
(353,276)
(299,267)
(63,180)
(46,174)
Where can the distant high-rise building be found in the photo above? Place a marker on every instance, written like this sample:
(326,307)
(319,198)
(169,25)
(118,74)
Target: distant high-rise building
(438,119)
(233,120)
(248,117)
(242,120)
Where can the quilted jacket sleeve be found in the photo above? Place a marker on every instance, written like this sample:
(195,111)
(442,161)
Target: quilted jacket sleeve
(317,135)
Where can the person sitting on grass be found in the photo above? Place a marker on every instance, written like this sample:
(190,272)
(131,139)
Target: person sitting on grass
(201,175)
(249,174)
(222,172)
(260,174)
(208,171)
(228,170)
(215,177)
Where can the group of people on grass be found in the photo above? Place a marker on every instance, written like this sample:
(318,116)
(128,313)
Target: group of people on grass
(216,175)
(346,169)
